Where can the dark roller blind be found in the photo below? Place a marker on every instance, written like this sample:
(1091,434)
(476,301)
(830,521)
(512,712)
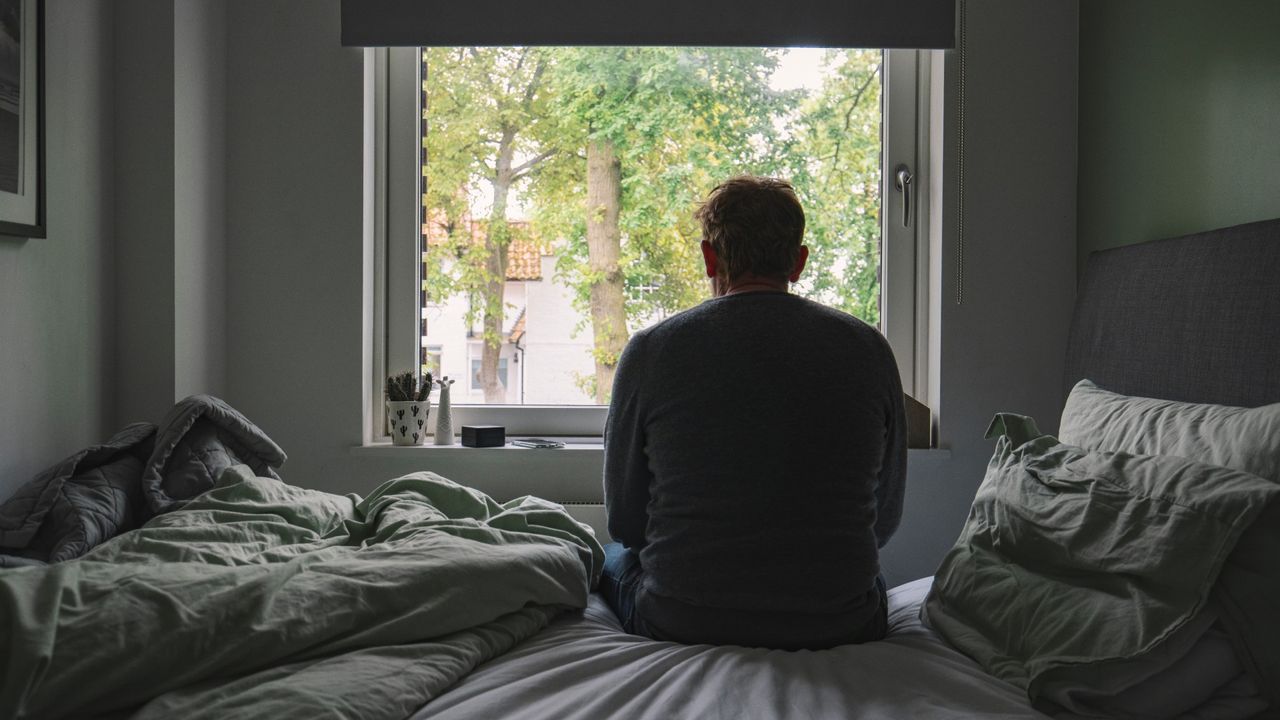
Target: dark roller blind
(783,23)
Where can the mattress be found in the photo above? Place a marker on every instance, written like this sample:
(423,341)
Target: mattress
(584,667)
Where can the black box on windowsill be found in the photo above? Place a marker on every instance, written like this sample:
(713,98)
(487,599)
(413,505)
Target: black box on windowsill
(484,435)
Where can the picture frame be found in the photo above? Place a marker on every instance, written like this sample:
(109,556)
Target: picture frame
(22,119)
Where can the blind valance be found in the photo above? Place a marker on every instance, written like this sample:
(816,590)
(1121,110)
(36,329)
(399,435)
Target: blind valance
(782,23)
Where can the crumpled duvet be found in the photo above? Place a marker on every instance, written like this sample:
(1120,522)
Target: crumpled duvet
(263,600)
(142,471)
(80,502)
(199,438)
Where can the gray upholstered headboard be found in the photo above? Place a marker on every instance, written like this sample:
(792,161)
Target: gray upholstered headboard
(1194,318)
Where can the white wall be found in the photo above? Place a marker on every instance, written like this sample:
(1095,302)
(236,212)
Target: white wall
(170,181)
(199,197)
(559,348)
(295,235)
(144,209)
(297,255)
(56,294)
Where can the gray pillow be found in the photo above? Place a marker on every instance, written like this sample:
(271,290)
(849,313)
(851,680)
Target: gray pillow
(1239,438)
(1079,574)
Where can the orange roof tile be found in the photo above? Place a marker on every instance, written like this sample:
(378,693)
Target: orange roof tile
(524,258)
(518,328)
(524,261)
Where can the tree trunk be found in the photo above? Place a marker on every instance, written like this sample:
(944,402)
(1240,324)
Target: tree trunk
(604,250)
(497,244)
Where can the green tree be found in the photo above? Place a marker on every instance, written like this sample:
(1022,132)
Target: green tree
(647,131)
(835,166)
(611,149)
(486,130)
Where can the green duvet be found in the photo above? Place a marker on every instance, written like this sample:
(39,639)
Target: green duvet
(259,599)
(1080,569)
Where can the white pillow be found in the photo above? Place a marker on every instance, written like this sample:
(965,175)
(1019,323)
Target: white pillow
(1245,439)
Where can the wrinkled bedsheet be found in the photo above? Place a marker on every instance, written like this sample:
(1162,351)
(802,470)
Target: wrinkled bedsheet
(260,599)
(584,667)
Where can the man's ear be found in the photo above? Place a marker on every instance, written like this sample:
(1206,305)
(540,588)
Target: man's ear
(709,258)
(800,260)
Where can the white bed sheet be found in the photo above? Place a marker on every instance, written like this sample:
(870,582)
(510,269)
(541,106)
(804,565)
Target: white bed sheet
(583,667)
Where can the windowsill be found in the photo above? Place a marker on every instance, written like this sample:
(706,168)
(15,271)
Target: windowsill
(572,445)
(571,474)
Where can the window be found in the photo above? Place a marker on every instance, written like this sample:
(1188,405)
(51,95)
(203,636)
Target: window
(431,359)
(543,198)
(477,381)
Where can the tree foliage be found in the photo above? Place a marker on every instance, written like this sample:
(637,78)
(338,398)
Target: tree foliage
(675,121)
(487,131)
(836,171)
(644,133)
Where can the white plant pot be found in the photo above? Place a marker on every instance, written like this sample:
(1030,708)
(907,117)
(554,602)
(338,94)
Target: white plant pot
(407,421)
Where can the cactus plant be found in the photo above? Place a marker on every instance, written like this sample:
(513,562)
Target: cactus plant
(400,387)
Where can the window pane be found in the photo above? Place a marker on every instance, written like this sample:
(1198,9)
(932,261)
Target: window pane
(478,384)
(559,186)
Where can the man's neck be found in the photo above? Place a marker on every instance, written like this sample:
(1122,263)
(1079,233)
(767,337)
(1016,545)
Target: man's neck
(750,283)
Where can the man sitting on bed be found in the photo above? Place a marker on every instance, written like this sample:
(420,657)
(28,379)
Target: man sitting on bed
(755,451)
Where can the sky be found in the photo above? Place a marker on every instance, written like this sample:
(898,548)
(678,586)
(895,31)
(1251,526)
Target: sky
(798,68)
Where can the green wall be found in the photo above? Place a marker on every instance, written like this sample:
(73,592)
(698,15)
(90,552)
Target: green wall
(1179,118)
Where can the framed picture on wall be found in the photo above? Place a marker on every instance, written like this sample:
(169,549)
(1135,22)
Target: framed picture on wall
(22,201)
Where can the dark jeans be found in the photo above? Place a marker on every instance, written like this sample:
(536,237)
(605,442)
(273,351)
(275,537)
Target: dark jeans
(623,574)
(619,583)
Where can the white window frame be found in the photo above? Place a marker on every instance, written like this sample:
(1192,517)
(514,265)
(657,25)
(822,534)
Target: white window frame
(905,286)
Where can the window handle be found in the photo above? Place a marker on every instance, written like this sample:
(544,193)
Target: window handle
(902,182)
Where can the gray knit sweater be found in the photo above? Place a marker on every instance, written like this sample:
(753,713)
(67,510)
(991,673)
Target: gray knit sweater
(755,455)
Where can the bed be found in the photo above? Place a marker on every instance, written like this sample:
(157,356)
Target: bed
(429,600)
(584,667)
(1214,298)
